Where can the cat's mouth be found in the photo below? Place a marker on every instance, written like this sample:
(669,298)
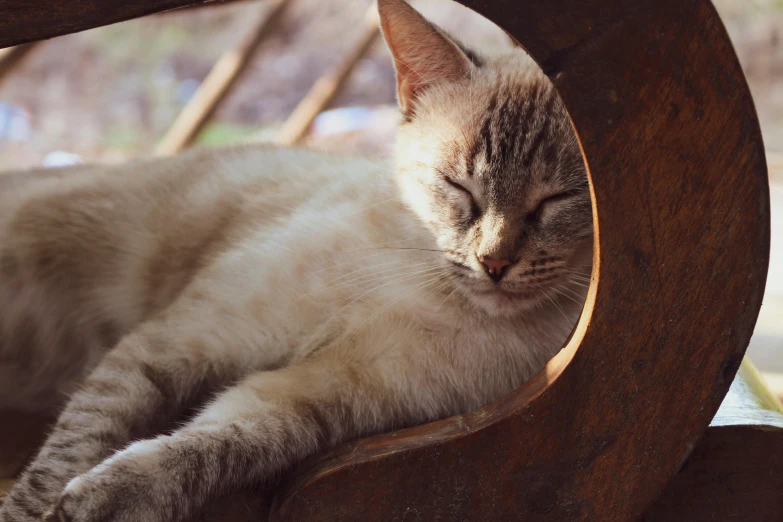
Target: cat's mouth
(498,301)
(500,293)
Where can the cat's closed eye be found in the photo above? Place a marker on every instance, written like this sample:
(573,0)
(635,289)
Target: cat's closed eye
(549,201)
(475,211)
(458,186)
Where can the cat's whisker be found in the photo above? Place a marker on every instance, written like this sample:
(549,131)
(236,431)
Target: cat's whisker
(375,245)
(562,291)
(383,251)
(396,278)
(381,276)
(414,289)
(369,256)
(575,271)
(583,273)
(418,249)
(575,277)
(334,263)
(448,295)
(365,293)
(436,289)
(372,249)
(374,272)
(556,305)
(365,268)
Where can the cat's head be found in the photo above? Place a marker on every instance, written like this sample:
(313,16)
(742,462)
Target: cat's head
(488,160)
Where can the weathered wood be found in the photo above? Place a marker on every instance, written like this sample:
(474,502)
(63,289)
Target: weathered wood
(673,146)
(329,85)
(11,57)
(30,20)
(218,83)
(735,473)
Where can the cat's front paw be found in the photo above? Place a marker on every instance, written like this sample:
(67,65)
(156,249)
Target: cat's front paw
(91,498)
(131,486)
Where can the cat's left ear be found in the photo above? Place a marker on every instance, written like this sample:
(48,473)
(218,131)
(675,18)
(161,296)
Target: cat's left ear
(423,54)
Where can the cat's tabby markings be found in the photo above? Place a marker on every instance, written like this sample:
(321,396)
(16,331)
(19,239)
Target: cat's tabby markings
(301,299)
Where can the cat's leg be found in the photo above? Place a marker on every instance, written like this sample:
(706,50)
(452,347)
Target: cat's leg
(251,433)
(139,389)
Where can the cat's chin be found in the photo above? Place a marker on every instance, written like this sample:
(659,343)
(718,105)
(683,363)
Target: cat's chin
(497,302)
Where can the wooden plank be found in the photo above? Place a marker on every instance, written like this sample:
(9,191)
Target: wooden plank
(329,85)
(736,471)
(25,21)
(218,83)
(734,474)
(669,133)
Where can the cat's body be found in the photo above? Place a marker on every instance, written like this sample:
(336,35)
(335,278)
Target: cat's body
(290,251)
(307,298)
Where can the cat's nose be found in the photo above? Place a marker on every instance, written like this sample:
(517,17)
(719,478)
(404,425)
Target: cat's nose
(495,268)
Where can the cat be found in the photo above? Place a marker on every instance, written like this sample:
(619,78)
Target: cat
(297,299)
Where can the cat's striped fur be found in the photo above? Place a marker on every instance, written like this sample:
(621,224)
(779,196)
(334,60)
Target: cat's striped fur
(306,299)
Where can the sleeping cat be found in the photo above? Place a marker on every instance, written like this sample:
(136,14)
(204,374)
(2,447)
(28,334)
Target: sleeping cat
(302,299)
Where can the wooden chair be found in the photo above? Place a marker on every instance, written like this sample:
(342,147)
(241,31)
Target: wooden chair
(616,428)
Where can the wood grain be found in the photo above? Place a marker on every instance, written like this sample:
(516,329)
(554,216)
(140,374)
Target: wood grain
(25,21)
(735,473)
(672,142)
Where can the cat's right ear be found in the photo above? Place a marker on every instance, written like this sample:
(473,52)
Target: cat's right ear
(423,54)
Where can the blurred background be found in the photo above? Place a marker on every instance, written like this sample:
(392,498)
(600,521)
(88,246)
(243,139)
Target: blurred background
(113,93)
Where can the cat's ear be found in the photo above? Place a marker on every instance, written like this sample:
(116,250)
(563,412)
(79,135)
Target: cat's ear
(423,54)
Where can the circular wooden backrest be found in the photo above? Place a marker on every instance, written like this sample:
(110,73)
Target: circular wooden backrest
(672,143)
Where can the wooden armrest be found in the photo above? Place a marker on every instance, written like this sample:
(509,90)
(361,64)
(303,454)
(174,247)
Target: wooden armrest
(30,20)
(670,136)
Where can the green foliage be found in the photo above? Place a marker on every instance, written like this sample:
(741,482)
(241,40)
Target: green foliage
(219,133)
